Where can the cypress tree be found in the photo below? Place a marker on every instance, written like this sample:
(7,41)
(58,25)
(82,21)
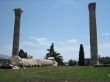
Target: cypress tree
(81,56)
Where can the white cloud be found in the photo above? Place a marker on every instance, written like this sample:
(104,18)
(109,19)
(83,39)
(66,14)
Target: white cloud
(69,49)
(6,49)
(67,42)
(41,41)
(87,51)
(37,47)
(106,34)
(29,43)
(38,39)
(104,49)
(72,41)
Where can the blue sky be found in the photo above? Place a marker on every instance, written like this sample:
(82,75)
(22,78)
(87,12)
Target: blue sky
(64,22)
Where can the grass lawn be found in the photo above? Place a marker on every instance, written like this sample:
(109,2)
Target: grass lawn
(56,73)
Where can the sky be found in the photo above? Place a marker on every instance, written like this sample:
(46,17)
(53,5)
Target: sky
(64,22)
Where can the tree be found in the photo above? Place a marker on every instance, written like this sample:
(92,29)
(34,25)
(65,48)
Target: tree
(104,60)
(51,51)
(23,54)
(57,56)
(29,57)
(81,56)
(71,62)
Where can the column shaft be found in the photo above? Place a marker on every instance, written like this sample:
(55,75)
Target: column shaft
(93,33)
(16,33)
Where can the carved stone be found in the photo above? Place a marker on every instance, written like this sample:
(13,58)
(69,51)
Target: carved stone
(16,34)
(93,33)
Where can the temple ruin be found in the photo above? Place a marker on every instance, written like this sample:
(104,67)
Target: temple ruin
(15,60)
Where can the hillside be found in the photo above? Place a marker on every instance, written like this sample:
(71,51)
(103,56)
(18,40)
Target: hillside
(2,56)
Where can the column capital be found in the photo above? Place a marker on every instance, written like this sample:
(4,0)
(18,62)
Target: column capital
(92,6)
(18,11)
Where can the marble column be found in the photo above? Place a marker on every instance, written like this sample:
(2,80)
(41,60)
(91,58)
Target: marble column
(93,33)
(16,34)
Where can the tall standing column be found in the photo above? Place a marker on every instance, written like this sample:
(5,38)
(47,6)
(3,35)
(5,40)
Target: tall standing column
(93,33)
(16,33)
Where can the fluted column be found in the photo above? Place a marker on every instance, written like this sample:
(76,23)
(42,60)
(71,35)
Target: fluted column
(93,33)
(16,33)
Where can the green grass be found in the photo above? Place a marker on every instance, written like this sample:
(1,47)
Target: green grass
(55,73)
